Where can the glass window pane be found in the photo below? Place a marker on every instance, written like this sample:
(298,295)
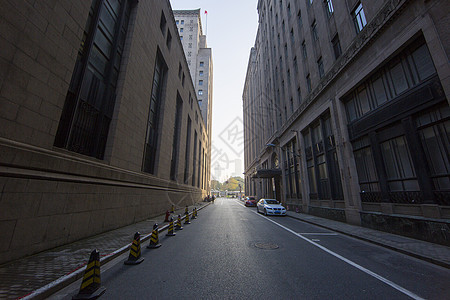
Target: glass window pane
(399,78)
(364,101)
(423,62)
(379,91)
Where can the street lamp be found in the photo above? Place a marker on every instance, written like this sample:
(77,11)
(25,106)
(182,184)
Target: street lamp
(293,153)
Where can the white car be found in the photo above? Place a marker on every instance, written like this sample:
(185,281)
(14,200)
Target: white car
(270,207)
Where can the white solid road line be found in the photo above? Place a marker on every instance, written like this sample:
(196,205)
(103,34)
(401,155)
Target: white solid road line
(361,268)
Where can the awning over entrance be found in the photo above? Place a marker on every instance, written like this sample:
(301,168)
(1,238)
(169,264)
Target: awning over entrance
(267,173)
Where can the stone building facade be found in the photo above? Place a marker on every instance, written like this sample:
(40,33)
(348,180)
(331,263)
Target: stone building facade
(100,125)
(346,112)
(199,59)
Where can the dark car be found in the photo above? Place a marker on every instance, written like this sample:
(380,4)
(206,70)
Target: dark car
(250,201)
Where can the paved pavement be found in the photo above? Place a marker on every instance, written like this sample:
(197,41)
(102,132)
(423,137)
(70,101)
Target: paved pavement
(42,274)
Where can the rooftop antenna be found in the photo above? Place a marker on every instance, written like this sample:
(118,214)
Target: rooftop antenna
(206,14)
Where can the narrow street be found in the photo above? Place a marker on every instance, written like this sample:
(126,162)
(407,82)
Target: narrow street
(232,252)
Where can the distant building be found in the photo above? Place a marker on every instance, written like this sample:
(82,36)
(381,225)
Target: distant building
(100,125)
(346,112)
(199,59)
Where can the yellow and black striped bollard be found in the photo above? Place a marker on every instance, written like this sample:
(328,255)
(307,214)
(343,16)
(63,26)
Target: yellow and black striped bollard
(194,213)
(178,226)
(91,285)
(170,230)
(186,219)
(154,238)
(172,209)
(135,251)
(186,210)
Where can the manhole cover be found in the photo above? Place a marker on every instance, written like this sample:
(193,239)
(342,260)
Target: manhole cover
(267,246)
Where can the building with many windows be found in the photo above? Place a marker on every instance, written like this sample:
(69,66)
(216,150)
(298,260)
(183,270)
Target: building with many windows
(199,59)
(100,125)
(346,112)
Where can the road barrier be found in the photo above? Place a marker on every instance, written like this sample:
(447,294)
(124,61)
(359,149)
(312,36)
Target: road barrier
(186,219)
(178,226)
(170,230)
(91,287)
(154,238)
(135,251)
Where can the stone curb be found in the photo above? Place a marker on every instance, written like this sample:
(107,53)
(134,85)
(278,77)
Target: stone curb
(64,281)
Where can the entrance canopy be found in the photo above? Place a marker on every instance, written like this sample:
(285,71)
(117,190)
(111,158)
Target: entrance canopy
(267,173)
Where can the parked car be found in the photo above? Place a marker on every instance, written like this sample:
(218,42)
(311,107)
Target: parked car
(270,207)
(250,201)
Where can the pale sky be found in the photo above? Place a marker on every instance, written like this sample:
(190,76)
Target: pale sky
(231,30)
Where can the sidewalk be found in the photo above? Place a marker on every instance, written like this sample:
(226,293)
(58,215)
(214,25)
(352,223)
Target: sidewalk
(434,253)
(40,275)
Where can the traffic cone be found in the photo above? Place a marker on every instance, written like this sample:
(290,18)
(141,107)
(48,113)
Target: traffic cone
(167,216)
(91,285)
(186,219)
(154,238)
(172,209)
(135,251)
(178,226)
(170,230)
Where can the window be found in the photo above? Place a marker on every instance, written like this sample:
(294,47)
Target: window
(190,37)
(329,7)
(299,95)
(200,92)
(181,29)
(299,19)
(320,67)
(365,167)
(201,73)
(321,160)
(177,22)
(169,39)
(308,83)
(433,129)
(151,141)
(90,99)
(202,64)
(194,161)
(176,139)
(163,23)
(182,80)
(181,37)
(359,19)
(336,46)
(200,82)
(295,65)
(187,152)
(182,22)
(390,81)
(304,50)
(314,31)
(400,171)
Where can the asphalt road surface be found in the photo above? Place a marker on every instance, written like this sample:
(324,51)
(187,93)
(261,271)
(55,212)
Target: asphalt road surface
(232,252)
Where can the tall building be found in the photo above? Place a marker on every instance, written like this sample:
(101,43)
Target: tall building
(346,112)
(100,125)
(199,59)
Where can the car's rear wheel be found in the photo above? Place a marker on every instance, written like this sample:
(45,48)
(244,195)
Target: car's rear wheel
(257,209)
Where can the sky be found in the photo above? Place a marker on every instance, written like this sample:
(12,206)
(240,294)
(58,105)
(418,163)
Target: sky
(230,28)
